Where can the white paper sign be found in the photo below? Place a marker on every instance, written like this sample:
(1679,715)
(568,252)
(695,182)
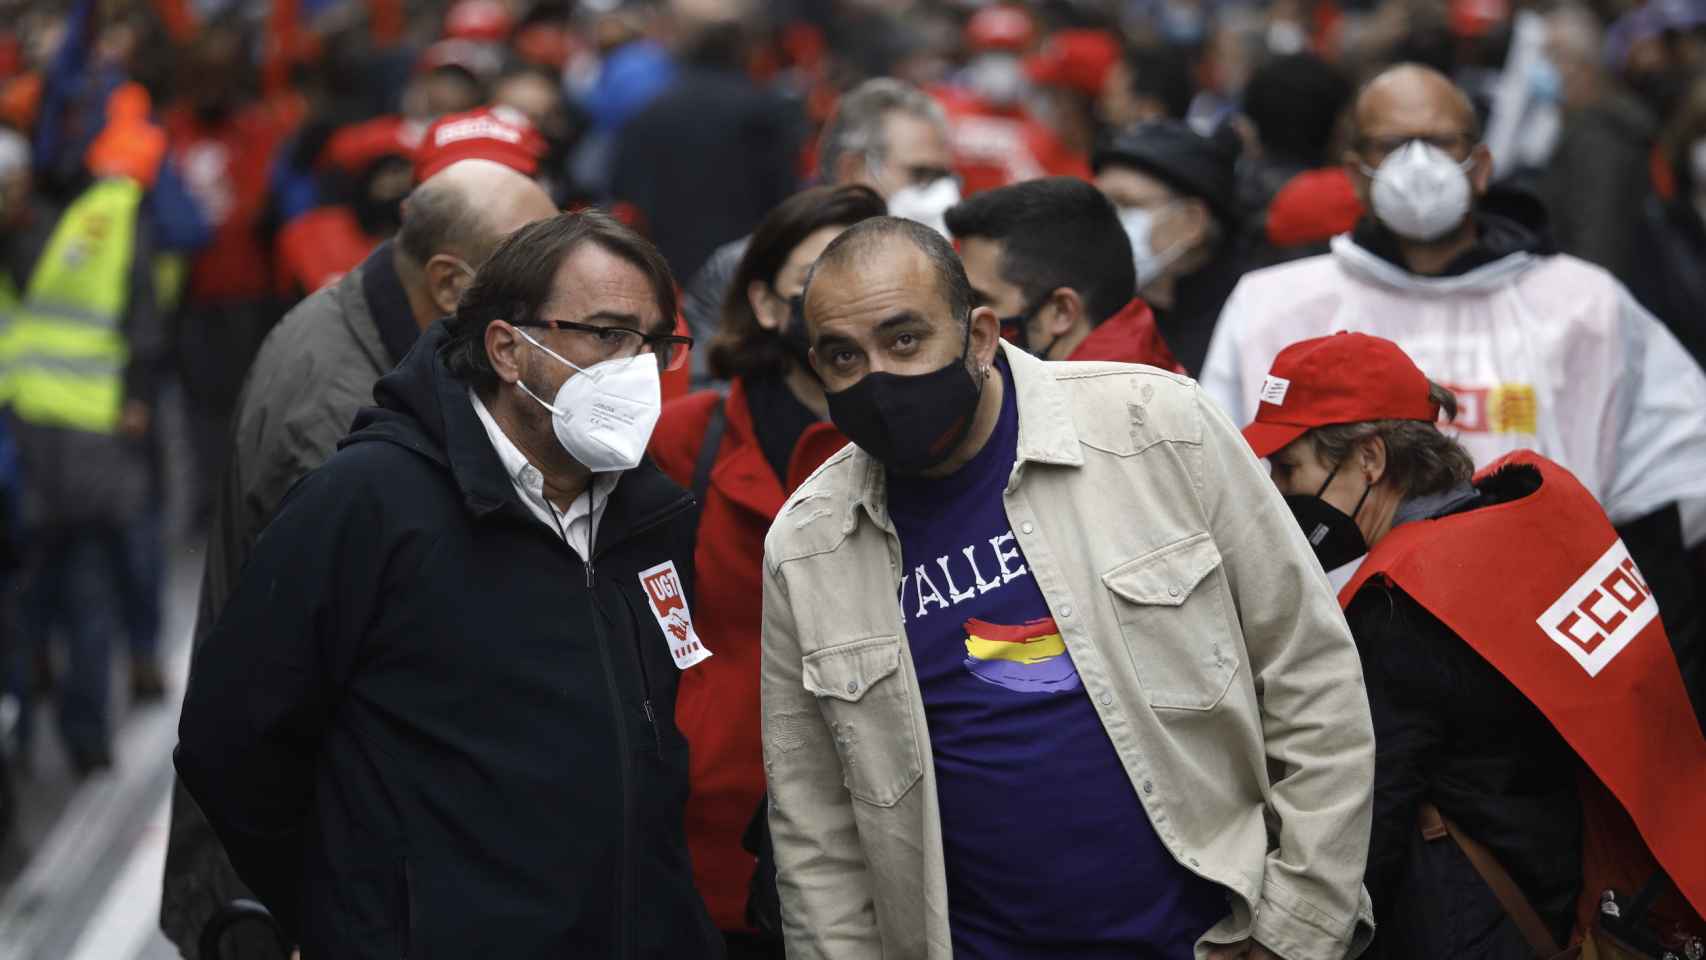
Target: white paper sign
(662,585)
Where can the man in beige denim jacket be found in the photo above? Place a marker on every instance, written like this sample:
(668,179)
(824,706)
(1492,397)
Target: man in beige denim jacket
(1200,625)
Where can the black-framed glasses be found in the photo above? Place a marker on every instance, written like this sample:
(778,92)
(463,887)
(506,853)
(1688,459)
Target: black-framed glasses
(614,343)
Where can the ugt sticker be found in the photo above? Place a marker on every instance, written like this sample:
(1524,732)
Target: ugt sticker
(669,604)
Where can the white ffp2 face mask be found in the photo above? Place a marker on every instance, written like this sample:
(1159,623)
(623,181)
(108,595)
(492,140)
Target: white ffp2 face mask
(1420,192)
(927,204)
(604,415)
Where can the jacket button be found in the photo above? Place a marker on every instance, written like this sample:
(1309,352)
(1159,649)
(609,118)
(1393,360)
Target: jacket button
(1172,591)
(1107,699)
(1148,787)
(1065,612)
(1025,527)
(852,686)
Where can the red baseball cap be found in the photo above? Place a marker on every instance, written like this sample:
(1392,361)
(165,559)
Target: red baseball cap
(498,134)
(1001,27)
(1344,378)
(1078,60)
(486,21)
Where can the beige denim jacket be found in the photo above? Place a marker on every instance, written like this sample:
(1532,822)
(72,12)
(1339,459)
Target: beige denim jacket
(1201,627)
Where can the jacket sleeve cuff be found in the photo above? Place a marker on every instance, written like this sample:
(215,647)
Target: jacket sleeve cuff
(1295,930)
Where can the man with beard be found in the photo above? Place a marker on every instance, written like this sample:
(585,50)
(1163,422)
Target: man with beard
(1008,708)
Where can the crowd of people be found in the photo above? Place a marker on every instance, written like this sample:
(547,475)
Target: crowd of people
(850,478)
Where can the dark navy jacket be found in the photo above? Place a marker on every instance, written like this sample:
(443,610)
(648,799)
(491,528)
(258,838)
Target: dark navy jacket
(424,728)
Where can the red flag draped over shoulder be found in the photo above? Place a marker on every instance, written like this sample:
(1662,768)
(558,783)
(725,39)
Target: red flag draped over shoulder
(1544,590)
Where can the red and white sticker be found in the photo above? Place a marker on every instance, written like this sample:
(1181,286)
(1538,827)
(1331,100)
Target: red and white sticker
(669,605)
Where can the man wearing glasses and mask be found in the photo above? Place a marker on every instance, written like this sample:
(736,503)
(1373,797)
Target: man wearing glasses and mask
(1044,654)
(1542,350)
(438,712)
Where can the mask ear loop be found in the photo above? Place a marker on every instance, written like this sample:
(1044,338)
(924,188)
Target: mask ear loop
(1329,482)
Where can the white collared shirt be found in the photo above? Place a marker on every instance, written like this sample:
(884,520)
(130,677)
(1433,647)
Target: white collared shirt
(578,525)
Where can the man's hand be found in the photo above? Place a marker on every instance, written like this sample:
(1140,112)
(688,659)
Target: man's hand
(1245,950)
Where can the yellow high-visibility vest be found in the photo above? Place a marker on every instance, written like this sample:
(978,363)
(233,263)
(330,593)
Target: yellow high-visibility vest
(62,350)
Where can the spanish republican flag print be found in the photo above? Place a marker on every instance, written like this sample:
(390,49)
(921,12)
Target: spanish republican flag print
(1028,658)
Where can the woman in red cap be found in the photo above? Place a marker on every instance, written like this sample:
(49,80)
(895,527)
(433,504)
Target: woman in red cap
(1514,660)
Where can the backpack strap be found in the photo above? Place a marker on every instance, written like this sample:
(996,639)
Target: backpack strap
(1510,896)
(708,447)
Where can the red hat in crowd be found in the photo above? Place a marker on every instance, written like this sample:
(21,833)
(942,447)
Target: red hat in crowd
(1079,60)
(1344,378)
(486,21)
(488,133)
(1001,27)
(356,147)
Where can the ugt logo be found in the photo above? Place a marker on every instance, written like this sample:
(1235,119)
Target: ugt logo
(669,606)
(1602,612)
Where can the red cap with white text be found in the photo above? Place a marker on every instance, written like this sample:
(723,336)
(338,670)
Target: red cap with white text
(1343,378)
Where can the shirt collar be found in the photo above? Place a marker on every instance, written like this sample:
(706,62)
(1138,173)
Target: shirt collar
(514,461)
(525,476)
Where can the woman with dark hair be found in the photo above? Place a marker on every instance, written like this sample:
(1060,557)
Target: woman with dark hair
(742,455)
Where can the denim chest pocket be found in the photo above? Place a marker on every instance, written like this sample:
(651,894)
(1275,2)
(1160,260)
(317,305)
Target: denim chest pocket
(1172,614)
(865,698)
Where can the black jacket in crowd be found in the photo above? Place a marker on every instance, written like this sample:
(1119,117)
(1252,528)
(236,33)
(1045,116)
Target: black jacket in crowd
(424,728)
(1451,730)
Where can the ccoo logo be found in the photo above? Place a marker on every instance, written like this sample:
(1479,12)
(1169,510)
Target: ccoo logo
(1605,609)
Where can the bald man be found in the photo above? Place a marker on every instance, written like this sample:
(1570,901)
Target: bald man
(1008,710)
(312,373)
(1543,350)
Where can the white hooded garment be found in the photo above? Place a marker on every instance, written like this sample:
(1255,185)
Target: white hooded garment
(1545,352)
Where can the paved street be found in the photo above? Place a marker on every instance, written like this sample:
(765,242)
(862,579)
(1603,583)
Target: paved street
(82,878)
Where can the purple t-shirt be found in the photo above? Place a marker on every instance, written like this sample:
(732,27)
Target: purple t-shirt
(1049,851)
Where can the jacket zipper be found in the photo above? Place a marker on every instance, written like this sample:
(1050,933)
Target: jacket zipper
(625,898)
(628,896)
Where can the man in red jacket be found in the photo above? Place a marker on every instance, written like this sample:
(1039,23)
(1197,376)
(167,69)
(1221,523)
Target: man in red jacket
(1051,259)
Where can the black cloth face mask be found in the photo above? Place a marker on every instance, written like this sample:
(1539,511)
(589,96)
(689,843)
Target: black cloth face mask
(1333,536)
(1020,324)
(909,423)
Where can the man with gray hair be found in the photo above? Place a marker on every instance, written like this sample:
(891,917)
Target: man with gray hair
(315,369)
(886,134)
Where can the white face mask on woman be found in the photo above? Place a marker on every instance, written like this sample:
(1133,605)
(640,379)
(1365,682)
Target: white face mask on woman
(1420,192)
(604,416)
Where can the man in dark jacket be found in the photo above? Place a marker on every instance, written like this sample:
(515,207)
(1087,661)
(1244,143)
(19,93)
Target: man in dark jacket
(743,142)
(436,718)
(1177,196)
(312,374)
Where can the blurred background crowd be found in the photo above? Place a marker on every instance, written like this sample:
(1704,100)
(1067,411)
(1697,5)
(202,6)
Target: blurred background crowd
(274,143)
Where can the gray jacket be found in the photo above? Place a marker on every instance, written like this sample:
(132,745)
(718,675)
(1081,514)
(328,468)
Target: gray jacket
(312,374)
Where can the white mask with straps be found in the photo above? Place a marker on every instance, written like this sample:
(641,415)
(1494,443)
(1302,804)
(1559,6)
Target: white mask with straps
(1139,224)
(1420,192)
(604,415)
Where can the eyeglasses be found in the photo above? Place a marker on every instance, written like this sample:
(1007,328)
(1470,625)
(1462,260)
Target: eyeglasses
(1376,149)
(614,343)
